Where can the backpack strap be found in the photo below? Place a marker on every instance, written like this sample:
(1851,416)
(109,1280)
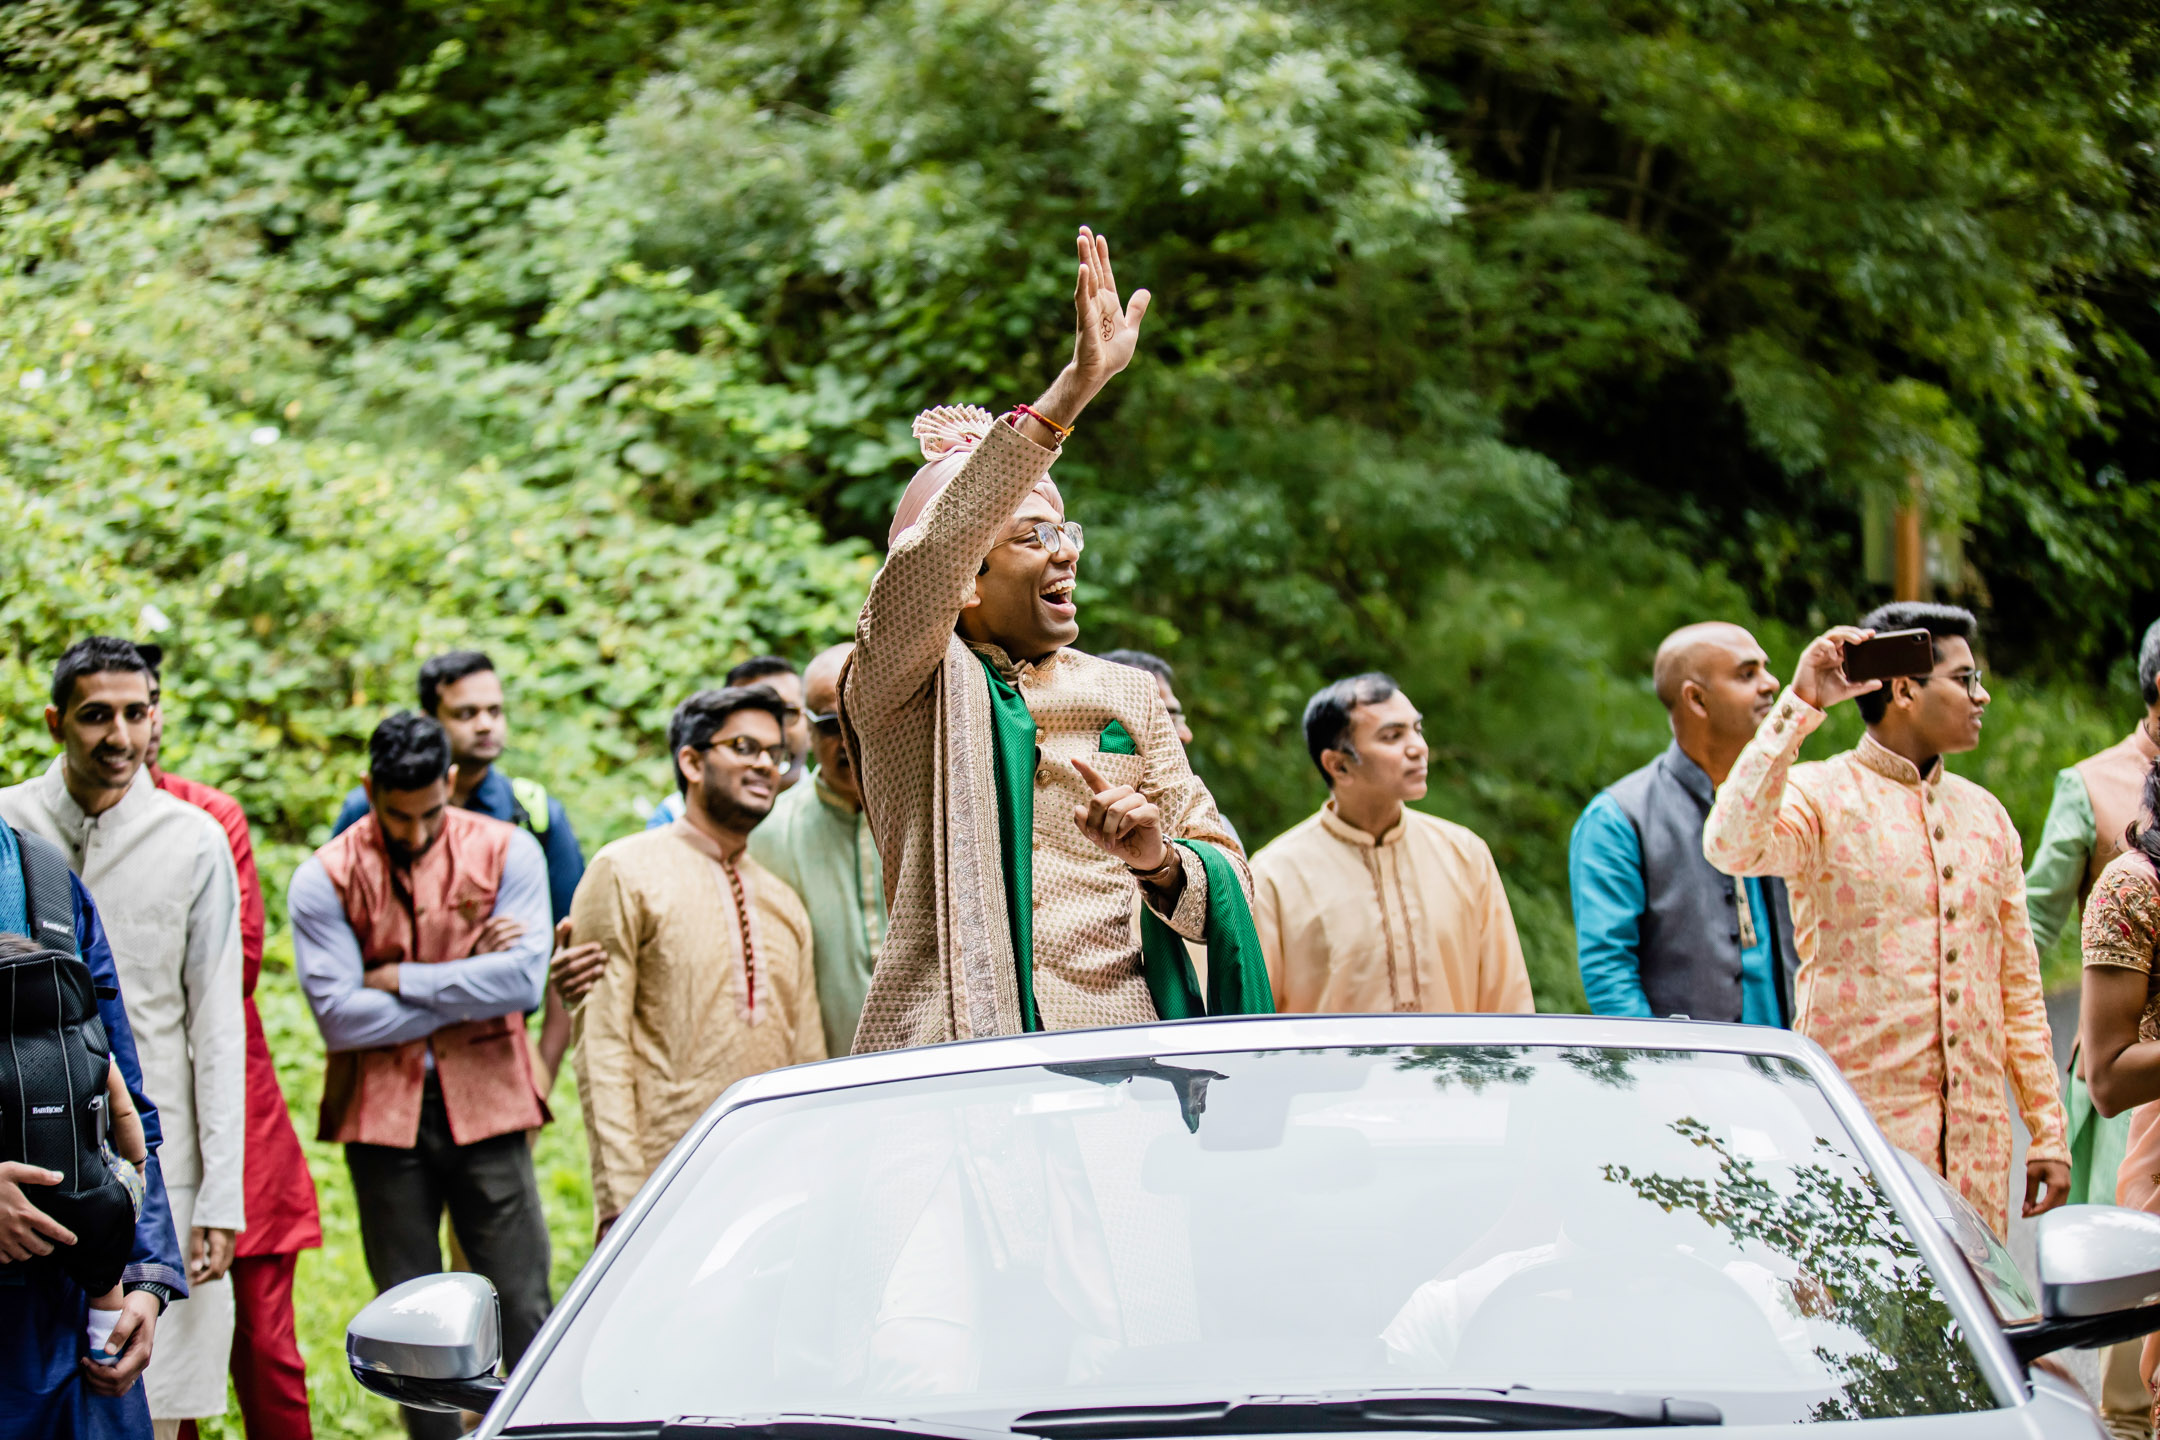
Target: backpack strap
(51,896)
(532,802)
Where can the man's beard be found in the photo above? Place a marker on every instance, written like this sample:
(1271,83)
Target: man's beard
(403,855)
(728,813)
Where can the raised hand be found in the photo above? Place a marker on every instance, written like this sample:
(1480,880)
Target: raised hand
(1105,333)
(1819,674)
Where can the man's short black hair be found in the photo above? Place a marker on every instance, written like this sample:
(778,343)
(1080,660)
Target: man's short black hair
(756,668)
(95,656)
(1140,660)
(1943,622)
(700,717)
(2149,665)
(408,751)
(1327,714)
(448,670)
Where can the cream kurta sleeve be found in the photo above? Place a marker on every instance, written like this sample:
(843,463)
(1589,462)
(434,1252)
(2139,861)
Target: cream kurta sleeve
(1503,977)
(605,913)
(2028,1043)
(217,1034)
(805,1016)
(1759,825)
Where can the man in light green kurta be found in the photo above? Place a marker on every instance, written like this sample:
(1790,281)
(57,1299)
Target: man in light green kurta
(817,840)
(2095,802)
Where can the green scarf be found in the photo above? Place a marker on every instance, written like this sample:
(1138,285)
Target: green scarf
(1237,973)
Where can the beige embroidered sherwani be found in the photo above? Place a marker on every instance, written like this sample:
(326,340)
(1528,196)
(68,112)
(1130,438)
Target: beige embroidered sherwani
(677,1017)
(916,707)
(1917,968)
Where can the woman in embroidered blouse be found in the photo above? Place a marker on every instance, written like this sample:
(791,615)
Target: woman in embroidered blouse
(2120,1012)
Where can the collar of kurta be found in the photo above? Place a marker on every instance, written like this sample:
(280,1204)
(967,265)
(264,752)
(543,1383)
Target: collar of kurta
(1349,834)
(73,818)
(704,844)
(1888,763)
(832,801)
(1012,671)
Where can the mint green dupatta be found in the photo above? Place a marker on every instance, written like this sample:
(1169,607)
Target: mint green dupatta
(1237,972)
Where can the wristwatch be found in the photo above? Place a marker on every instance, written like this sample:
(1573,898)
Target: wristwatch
(164,1293)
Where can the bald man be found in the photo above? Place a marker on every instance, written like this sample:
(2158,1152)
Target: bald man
(1658,931)
(817,840)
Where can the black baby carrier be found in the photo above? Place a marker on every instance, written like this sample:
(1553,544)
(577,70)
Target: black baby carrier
(52,1079)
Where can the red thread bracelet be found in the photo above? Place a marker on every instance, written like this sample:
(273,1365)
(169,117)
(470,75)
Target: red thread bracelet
(1064,432)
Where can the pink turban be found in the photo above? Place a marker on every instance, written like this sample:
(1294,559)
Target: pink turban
(949,435)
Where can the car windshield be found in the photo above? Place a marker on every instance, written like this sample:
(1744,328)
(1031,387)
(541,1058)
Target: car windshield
(1207,1227)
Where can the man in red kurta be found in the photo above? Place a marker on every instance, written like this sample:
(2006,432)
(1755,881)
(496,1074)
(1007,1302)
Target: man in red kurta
(268,1374)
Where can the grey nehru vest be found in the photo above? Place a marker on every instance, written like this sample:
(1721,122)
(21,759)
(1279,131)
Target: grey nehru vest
(1690,948)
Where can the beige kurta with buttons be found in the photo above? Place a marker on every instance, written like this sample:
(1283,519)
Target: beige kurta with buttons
(1917,968)
(1416,920)
(677,1016)
(916,707)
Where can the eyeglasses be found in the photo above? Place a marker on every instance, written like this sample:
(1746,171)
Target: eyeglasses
(827,724)
(1970,679)
(743,748)
(1049,535)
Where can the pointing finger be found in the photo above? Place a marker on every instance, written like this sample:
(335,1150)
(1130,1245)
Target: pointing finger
(1095,782)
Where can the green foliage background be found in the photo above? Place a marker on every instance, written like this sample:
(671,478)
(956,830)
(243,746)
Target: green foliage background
(1492,338)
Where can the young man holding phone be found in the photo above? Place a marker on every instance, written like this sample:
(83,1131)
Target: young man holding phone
(1917,967)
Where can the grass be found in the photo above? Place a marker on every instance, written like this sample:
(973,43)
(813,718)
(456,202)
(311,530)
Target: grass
(333,1281)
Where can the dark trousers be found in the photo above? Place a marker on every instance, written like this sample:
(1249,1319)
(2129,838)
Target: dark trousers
(494,1205)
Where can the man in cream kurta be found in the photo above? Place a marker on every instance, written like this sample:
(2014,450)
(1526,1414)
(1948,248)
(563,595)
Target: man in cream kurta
(1372,907)
(162,875)
(708,976)
(970,619)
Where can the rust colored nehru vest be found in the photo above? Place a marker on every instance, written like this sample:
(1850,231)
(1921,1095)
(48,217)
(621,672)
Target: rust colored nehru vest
(2115,784)
(432,914)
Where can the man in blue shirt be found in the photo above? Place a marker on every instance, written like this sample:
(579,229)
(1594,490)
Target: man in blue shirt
(48,1385)
(1658,931)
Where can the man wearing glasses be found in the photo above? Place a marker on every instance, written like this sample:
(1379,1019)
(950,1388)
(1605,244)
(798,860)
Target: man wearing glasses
(707,976)
(1029,800)
(1917,967)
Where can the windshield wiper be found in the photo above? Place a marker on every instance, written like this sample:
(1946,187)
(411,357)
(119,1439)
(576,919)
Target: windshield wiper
(758,1427)
(1519,1408)
(820,1427)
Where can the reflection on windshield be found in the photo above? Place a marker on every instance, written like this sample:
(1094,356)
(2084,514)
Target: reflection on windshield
(1141,1230)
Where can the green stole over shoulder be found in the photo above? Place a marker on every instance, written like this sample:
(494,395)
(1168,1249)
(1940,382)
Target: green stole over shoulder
(1237,972)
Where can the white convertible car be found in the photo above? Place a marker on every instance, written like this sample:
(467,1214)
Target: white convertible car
(1288,1226)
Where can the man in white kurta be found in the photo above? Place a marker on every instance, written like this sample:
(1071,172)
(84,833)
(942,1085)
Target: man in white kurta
(163,879)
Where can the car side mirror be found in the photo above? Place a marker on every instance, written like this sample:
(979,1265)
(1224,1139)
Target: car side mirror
(2099,1279)
(432,1343)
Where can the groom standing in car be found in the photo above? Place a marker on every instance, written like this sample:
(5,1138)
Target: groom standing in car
(1028,799)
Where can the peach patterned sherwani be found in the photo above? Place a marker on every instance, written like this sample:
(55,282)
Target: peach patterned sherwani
(1917,969)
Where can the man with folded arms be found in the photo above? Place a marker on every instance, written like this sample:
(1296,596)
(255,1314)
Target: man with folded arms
(1917,968)
(421,938)
(1028,798)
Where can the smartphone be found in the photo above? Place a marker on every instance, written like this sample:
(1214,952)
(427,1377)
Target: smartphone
(1891,654)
